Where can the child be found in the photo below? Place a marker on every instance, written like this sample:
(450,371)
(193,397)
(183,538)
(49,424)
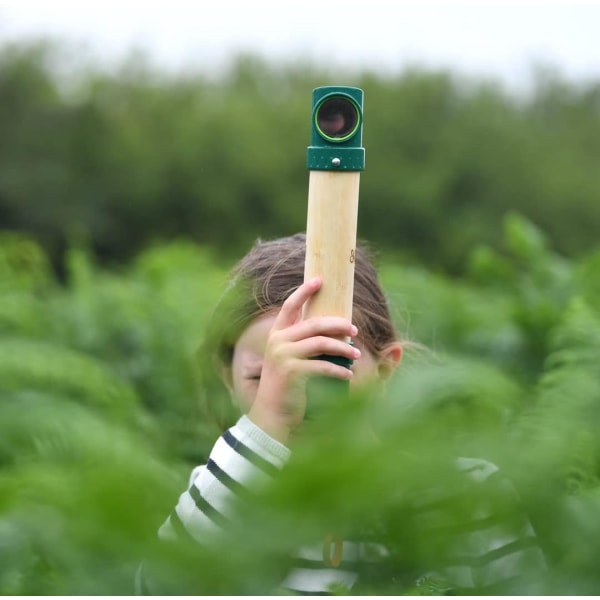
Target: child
(262,352)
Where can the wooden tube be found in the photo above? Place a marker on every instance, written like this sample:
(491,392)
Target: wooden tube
(331,241)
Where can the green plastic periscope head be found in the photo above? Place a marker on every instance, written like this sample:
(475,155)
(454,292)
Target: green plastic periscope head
(336,133)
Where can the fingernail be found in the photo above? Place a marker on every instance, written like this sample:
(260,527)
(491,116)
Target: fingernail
(354,330)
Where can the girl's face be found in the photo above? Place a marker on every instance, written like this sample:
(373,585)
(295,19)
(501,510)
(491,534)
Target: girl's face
(249,351)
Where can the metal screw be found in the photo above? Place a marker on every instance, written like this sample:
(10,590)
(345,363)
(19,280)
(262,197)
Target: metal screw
(336,162)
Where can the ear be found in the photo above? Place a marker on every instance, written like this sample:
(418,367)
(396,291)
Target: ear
(389,359)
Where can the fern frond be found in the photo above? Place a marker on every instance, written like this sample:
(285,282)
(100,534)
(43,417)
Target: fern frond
(25,364)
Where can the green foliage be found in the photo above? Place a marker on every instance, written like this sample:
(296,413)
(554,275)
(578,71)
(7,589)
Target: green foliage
(134,156)
(76,500)
(101,417)
(100,421)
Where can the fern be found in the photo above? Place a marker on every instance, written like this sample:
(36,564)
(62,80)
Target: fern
(80,498)
(100,424)
(44,366)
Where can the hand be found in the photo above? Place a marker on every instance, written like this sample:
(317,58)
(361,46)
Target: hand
(280,401)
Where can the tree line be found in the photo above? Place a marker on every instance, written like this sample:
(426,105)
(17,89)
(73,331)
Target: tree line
(122,159)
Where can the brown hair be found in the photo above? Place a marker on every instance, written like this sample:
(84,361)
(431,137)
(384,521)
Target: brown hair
(264,278)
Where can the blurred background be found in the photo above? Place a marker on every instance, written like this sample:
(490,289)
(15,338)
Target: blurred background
(144,146)
(132,125)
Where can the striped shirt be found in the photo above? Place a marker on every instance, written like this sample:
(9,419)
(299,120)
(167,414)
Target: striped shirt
(484,554)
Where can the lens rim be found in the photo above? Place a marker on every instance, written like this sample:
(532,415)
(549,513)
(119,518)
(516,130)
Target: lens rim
(352,132)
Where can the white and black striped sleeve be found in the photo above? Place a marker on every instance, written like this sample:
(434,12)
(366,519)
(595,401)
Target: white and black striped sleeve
(242,461)
(497,547)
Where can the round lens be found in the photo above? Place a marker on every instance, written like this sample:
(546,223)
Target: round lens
(337,118)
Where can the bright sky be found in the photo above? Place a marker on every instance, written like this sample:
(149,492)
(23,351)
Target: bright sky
(501,39)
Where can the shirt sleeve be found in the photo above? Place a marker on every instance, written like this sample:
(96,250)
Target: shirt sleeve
(243,460)
(498,549)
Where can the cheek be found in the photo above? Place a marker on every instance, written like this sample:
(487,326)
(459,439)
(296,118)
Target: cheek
(365,369)
(244,392)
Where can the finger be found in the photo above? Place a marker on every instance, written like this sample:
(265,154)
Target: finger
(322,326)
(325,368)
(291,308)
(319,345)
